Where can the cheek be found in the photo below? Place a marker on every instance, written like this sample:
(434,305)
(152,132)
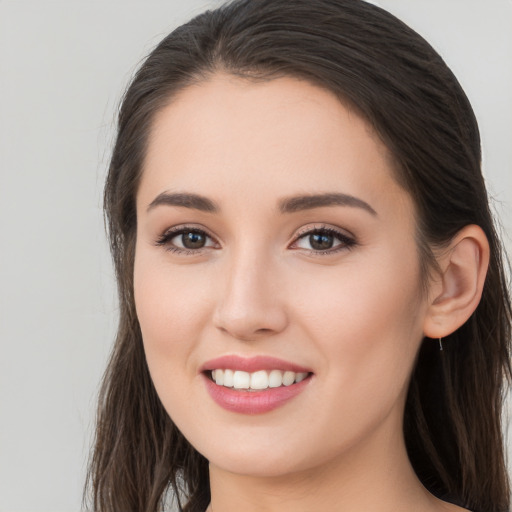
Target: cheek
(366,326)
(169,309)
(368,320)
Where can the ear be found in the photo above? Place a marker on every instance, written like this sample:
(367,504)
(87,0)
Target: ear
(455,294)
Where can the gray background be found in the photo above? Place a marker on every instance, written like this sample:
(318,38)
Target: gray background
(63,66)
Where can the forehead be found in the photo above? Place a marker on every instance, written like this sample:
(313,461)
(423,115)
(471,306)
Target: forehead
(282,136)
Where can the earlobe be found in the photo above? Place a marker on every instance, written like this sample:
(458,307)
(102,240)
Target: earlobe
(457,291)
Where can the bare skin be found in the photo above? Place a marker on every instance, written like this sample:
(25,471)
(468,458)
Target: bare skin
(353,313)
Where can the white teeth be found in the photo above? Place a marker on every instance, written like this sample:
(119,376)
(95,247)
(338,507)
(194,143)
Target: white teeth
(241,380)
(259,380)
(288,378)
(275,379)
(256,380)
(219,377)
(300,377)
(228,378)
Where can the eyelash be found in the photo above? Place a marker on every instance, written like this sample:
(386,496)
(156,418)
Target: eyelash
(347,242)
(165,240)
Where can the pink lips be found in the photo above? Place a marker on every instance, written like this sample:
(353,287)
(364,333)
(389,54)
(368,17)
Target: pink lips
(251,364)
(252,402)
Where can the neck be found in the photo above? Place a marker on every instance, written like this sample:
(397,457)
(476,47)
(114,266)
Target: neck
(361,479)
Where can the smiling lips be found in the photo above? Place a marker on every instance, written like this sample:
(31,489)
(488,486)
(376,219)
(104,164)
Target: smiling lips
(253,385)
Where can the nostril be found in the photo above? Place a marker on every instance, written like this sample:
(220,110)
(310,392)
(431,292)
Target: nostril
(244,332)
(263,331)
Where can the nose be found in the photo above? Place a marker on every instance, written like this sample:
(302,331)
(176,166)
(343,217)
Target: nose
(251,304)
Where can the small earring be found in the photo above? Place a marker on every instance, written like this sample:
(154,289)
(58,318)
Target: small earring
(440,344)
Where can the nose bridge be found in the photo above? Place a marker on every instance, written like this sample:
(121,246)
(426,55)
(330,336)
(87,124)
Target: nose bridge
(250,305)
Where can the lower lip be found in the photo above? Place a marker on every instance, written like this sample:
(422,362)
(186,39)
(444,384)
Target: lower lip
(253,402)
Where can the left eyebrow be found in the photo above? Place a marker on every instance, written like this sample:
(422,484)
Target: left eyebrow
(308,202)
(184,200)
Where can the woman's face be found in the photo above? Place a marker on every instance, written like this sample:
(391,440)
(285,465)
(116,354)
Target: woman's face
(274,244)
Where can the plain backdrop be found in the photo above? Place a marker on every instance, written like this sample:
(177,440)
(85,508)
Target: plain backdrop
(63,67)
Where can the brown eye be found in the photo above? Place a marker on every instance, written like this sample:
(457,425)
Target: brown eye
(324,241)
(321,241)
(186,240)
(193,240)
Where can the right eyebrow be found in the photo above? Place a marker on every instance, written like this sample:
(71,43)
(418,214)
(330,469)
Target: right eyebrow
(185,200)
(309,202)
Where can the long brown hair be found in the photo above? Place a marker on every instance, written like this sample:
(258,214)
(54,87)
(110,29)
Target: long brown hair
(394,79)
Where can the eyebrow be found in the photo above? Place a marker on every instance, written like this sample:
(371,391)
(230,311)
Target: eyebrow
(287,205)
(308,202)
(184,200)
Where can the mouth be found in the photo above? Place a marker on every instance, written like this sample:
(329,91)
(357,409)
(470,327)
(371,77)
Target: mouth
(253,385)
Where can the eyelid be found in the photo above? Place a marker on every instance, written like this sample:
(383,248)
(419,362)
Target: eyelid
(312,228)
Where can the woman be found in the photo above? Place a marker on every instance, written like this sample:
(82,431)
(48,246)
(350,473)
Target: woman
(314,312)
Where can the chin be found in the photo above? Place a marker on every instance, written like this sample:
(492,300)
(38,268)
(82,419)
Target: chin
(259,466)
(265,459)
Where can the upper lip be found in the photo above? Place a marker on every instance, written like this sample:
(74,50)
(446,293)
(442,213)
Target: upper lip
(251,364)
